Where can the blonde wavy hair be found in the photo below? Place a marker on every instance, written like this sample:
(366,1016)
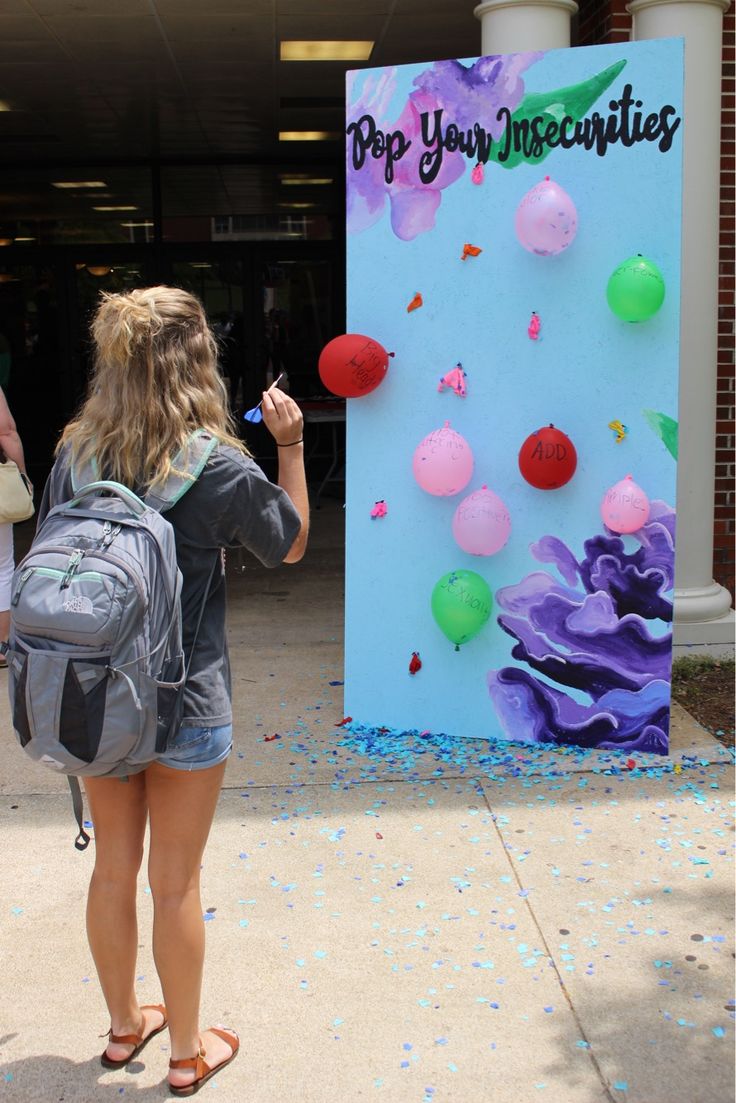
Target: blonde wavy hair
(155,380)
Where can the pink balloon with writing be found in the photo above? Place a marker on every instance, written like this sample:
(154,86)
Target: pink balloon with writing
(546,220)
(481,524)
(625,507)
(443,462)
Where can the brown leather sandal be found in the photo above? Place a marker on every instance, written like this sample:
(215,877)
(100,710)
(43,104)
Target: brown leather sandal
(203,1070)
(136,1040)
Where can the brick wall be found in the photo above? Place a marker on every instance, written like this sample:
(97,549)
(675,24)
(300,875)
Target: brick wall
(602,21)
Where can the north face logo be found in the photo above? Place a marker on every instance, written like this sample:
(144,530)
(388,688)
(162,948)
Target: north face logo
(78,605)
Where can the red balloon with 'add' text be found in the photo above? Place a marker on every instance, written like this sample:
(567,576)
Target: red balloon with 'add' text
(547,458)
(352,365)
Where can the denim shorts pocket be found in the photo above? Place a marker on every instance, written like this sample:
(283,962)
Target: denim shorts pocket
(198,748)
(186,739)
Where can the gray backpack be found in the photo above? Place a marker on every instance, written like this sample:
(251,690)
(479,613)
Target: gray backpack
(95,657)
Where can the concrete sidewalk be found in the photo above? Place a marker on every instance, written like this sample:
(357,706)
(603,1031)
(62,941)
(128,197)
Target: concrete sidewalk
(441,925)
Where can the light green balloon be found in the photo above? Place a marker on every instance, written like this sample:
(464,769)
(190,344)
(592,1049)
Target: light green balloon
(461,605)
(636,289)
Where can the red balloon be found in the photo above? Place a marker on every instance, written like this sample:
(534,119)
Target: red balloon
(352,365)
(547,458)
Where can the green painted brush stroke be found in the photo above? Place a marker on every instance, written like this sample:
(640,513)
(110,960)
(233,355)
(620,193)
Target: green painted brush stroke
(666,429)
(574,102)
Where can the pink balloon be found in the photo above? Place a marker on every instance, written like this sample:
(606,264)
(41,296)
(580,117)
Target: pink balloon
(625,507)
(481,524)
(443,462)
(546,220)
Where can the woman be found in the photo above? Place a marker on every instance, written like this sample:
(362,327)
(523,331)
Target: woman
(155,381)
(10,444)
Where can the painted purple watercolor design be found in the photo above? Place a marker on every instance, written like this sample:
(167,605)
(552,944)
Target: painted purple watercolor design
(467,94)
(591,632)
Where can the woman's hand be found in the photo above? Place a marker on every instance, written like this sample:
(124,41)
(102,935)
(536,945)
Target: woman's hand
(284,421)
(282,417)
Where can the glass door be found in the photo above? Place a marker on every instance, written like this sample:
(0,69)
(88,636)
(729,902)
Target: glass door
(32,357)
(219,285)
(94,274)
(295,321)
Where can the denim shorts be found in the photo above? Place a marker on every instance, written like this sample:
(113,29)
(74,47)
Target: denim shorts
(198,748)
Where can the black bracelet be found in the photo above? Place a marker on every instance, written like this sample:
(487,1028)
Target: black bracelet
(300,441)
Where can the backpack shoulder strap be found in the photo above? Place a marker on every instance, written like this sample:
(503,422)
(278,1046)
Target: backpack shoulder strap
(83,474)
(188,466)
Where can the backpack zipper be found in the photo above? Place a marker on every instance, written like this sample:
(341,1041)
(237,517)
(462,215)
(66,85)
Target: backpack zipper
(124,567)
(51,572)
(21,583)
(74,560)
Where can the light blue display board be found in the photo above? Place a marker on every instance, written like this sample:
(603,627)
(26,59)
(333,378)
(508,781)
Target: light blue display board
(582,652)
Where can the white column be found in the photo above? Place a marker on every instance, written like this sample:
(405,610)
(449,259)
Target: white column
(703,616)
(514,26)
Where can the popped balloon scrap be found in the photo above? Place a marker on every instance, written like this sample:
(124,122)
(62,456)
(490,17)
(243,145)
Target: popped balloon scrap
(415,303)
(454,380)
(379,509)
(470,251)
(619,429)
(535,324)
(478,173)
(416,663)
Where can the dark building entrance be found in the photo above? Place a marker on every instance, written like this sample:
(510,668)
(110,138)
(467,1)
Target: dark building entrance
(200,145)
(272,305)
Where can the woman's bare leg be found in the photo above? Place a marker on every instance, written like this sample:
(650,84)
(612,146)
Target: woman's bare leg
(181,807)
(118,810)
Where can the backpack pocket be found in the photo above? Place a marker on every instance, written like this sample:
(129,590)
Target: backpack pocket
(18,674)
(162,702)
(58,705)
(83,610)
(169,690)
(82,709)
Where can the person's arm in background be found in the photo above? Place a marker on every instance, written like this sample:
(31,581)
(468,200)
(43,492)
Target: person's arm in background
(284,421)
(9,440)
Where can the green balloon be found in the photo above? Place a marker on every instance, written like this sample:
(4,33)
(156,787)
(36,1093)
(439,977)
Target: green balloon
(461,605)
(636,289)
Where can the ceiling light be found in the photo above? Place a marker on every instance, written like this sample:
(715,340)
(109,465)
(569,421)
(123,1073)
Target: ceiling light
(118,208)
(5,106)
(99,269)
(25,239)
(78,184)
(5,277)
(199,264)
(130,225)
(6,241)
(303,180)
(316,50)
(308,135)
(297,206)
